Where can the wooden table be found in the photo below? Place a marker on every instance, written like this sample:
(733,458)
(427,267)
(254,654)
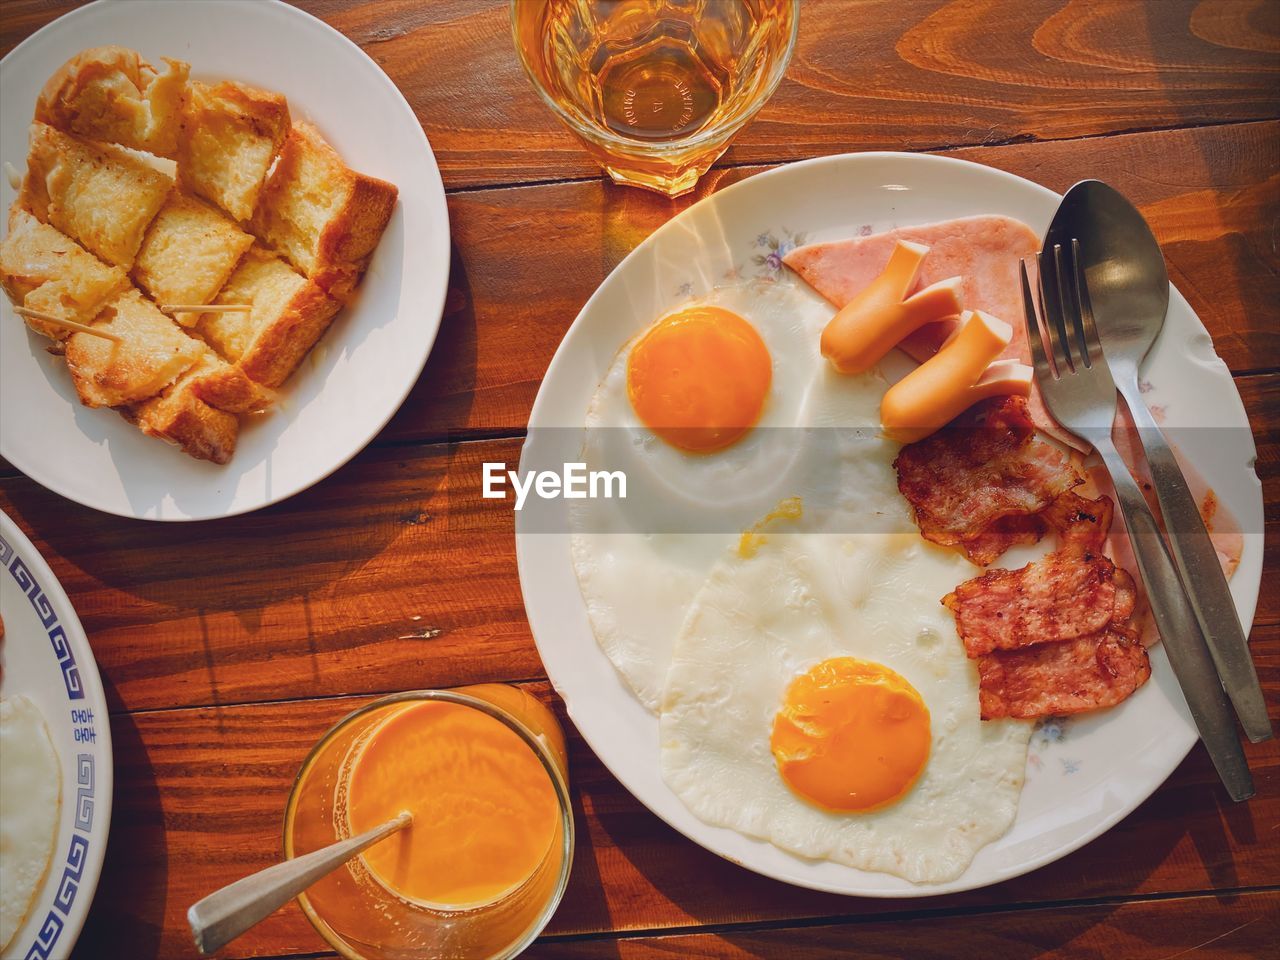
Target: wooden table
(228,647)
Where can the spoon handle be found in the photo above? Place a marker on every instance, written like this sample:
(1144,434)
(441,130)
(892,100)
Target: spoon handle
(1197,561)
(1179,632)
(225,914)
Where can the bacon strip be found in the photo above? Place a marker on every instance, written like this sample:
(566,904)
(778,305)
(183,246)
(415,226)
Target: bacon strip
(1060,597)
(1054,637)
(1080,523)
(991,543)
(972,484)
(1055,679)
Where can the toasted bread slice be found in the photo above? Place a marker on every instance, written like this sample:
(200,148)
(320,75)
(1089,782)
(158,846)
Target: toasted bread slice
(181,416)
(188,252)
(225,386)
(289,315)
(322,215)
(95,193)
(113,95)
(153,352)
(231,134)
(43,269)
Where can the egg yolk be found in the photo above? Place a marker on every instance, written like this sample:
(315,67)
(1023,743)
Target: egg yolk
(699,378)
(851,735)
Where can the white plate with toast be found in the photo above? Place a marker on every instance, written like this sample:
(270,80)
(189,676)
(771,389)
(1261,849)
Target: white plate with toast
(1083,774)
(354,379)
(57,747)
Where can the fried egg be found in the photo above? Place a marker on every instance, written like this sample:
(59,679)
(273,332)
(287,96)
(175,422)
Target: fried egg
(30,807)
(715,413)
(818,698)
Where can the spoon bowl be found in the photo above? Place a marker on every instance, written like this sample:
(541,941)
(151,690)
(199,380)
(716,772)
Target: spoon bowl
(1123,266)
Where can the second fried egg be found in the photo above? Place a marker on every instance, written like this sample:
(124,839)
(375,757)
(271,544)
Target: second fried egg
(818,699)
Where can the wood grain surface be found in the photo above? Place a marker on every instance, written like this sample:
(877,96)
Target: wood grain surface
(228,647)
(866,75)
(1243,927)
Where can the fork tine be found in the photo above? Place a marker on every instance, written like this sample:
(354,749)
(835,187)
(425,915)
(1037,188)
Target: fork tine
(1066,315)
(1034,338)
(1091,342)
(1072,312)
(1051,314)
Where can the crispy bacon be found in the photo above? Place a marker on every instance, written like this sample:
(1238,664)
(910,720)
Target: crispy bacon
(1054,636)
(1126,597)
(1054,679)
(1059,597)
(972,483)
(991,543)
(1080,522)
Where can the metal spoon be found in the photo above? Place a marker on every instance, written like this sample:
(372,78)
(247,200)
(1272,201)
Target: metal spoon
(225,914)
(1129,289)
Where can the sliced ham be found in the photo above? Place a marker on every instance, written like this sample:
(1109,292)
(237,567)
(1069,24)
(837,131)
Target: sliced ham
(985,251)
(1224,528)
(1224,531)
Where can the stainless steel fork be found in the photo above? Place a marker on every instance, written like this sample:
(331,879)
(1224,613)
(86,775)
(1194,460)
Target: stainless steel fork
(1078,390)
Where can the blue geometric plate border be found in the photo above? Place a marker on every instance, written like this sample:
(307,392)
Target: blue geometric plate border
(77,853)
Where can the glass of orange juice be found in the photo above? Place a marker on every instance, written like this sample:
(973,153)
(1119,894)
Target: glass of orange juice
(484,863)
(655,89)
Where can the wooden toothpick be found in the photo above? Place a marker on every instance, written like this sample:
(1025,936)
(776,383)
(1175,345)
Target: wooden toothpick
(207,307)
(56,321)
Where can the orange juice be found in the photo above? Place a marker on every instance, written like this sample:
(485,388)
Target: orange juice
(484,809)
(482,867)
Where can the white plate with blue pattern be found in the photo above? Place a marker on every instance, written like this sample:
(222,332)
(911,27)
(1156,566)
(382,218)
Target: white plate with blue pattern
(46,658)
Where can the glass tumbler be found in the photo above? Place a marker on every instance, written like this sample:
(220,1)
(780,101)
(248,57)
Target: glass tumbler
(656,89)
(362,918)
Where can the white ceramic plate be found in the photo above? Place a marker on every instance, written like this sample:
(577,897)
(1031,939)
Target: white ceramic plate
(47,659)
(1083,776)
(359,373)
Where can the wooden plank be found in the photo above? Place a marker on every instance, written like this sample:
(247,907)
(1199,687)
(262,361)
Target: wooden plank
(200,796)
(393,577)
(318,596)
(1233,927)
(867,75)
(529,258)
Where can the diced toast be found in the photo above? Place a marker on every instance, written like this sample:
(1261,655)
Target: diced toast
(43,269)
(180,416)
(113,95)
(187,253)
(322,215)
(153,352)
(289,315)
(231,134)
(98,194)
(225,386)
